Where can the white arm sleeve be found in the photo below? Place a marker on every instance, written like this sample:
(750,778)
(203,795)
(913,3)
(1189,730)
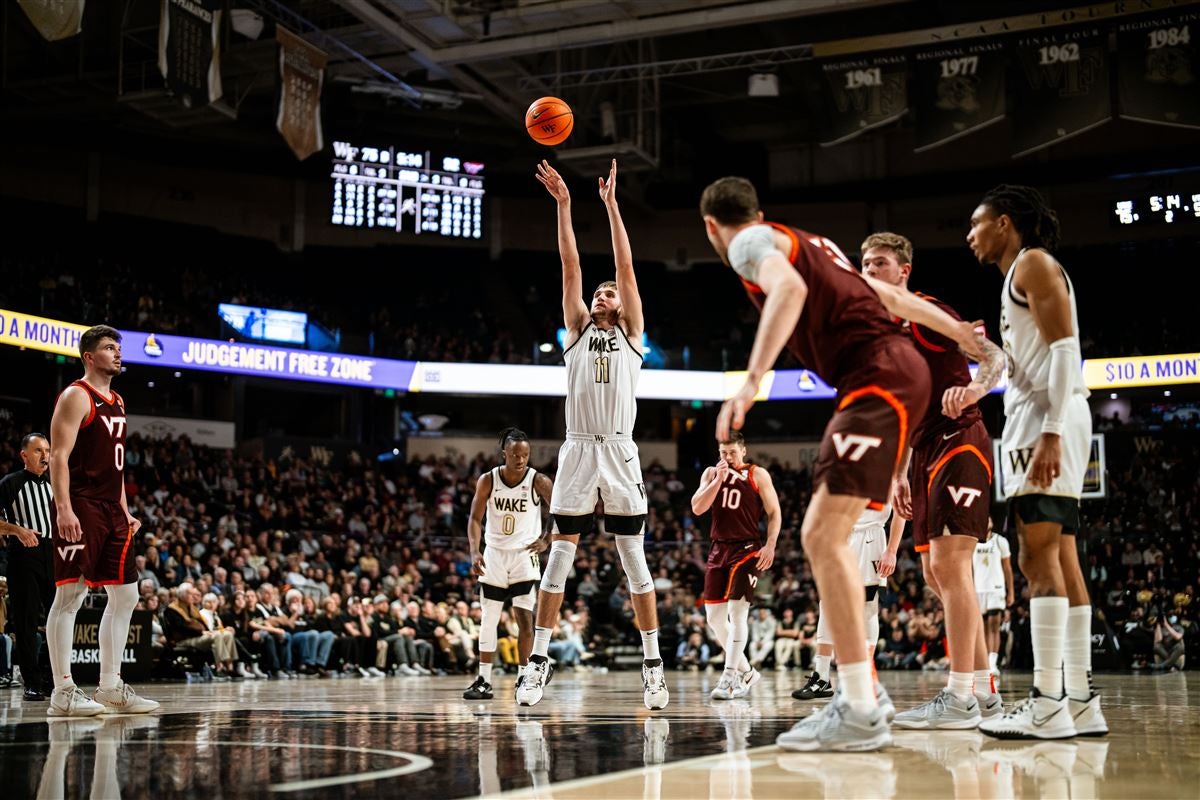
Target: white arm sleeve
(1064,374)
(748,249)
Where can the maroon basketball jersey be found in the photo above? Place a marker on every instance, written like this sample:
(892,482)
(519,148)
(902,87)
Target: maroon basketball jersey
(737,507)
(947,368)
(841,315)
(97,462)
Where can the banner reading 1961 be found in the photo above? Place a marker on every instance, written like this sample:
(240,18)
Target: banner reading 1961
(861,94)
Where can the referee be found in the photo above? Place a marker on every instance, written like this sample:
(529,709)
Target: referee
(25,498)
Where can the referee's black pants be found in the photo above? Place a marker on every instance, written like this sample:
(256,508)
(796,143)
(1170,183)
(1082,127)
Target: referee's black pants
(31,591)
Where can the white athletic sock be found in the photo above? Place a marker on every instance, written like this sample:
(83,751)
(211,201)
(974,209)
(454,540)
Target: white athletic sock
(60,630)
(994,662)
(1077,653)
(114,632)
(983,681)
(650,645)
(858,684)
(541,641)
(485,671)
(960,684)
(1048,621)
(821,665)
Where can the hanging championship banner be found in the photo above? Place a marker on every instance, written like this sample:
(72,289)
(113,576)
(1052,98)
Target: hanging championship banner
(957,90)
(1158,70)
(301,76)
(861,94)
(1060,86)
(189,50)
(54,19)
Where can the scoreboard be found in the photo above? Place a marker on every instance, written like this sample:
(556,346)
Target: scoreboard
(408,192)
(1161,208)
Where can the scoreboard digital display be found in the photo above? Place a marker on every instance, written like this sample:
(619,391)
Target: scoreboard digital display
(1160,208)
(382,187)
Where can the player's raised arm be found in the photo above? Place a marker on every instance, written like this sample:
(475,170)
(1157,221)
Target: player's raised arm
(71,410)
(710,483)
(770,501)
(575,312)
(786,292)
(483,490)
(632,318)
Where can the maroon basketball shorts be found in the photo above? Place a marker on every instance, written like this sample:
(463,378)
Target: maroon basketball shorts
(878,405)
(103,556)
(951,485)
(731,574)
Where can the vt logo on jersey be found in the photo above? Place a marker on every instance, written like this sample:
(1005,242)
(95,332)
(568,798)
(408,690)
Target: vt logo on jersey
(115,425)
(958,493)
(1019,459)
(512,505)
(67,552)
(857,446)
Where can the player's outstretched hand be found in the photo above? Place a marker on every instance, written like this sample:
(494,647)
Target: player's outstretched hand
(957,398)
(733,412)
(766,557)
(548,176)
(608,188)
(1046,463)
(902,497)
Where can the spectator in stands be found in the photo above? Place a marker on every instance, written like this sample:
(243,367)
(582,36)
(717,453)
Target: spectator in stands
(186,629)
(762,636)
(787,640)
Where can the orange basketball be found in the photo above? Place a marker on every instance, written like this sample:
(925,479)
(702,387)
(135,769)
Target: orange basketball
(549,121)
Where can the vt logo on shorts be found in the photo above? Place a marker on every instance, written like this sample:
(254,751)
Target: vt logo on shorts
(843,442)
(67,552)
(963,495)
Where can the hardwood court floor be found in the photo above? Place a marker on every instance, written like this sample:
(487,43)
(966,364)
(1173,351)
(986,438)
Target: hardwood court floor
(589,738)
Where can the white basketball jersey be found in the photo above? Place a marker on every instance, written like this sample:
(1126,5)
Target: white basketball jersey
(1028,351)
(989,569)
(514,513)
(871,519)
(602,378)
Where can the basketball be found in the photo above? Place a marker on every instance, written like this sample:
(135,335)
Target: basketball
(549,121)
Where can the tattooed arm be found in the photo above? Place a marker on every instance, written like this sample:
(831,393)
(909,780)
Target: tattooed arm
(992,365)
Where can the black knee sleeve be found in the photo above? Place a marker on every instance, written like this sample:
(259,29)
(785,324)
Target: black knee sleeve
(622,525)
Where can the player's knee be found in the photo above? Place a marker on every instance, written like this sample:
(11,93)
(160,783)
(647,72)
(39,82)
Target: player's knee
(487,625)
(632,550)
(624,525)
(558,566)
(717,616)
(70,596)
(574,524)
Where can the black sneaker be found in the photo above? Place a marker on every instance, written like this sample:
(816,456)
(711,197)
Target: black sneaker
(815,689)
(480,690)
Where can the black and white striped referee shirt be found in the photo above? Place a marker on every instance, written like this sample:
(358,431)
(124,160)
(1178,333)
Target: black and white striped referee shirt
(25,500)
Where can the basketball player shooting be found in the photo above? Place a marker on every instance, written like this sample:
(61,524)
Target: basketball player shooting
(603,356)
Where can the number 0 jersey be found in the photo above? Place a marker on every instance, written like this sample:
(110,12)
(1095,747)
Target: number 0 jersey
(514,513)
(97,462)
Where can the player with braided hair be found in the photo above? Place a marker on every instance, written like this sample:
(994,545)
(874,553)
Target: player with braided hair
(1044,455)
(509,499)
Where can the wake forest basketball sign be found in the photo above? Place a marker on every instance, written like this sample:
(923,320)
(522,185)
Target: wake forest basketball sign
(137,659)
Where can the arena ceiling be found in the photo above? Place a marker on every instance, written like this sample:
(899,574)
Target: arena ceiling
(663,84)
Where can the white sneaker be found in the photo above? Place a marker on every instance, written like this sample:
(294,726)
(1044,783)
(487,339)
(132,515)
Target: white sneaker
(376,672)
(724,688)
(1089,719)
(838,727)
(991,705)
(1035,717)
(655,732)
(654,686)
(241,671)
(745,682)
(533,682)
(70,701)
(123,700)
(257,672)
(405,669)
(422,670)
